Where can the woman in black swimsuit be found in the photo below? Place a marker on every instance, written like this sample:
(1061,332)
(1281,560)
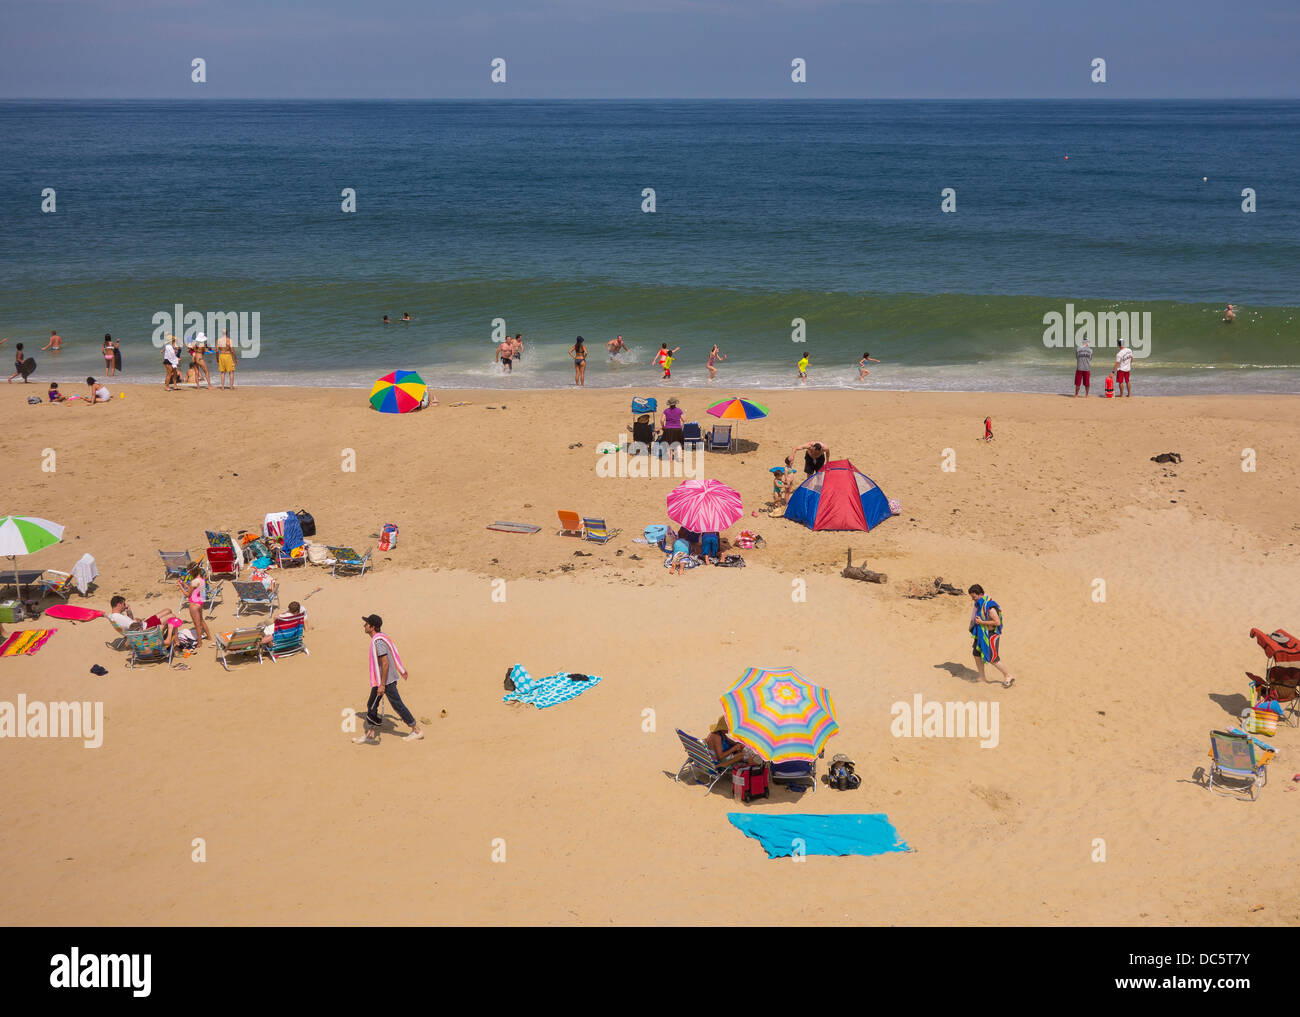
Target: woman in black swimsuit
(579,354)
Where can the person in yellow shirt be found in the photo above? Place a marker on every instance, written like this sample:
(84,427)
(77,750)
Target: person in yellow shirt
(803,366)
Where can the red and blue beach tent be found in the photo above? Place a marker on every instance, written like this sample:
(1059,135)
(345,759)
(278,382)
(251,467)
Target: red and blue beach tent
(839,496)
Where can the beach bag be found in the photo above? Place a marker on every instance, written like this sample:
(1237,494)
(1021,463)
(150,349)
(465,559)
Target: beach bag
(1260,720)
(655,533)
(318,554)
(745,541)
(33,400)
(307,523)
(388,538)
(894,507)
(749,782)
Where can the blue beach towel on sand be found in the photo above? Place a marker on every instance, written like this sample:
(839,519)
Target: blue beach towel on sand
(548,691)
(850,834)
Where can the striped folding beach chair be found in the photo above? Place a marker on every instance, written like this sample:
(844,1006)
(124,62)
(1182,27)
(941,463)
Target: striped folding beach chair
(701,761)
(57,584)
(287,639)
(241,641)
(596,531)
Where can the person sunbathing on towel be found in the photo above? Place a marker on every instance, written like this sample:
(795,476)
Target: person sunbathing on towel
(728,751)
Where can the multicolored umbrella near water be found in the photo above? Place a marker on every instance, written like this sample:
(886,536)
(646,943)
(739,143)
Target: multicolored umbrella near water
(780,714)
(705,506)
(399,392)
(738,409)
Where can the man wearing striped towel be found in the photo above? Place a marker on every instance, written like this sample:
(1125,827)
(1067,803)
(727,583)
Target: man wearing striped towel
(385,669)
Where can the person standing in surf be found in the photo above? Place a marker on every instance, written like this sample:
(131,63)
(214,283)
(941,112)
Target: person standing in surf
(1082,368)
(615,347)
(226,359)
(55,344)
(107,350)
(578,351)
(715,355)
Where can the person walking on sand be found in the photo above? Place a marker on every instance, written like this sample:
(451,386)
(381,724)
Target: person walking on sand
(986,629)
(867,358)
(578,351)
(803,367)
(385,669)
(1082,368)
(227,361)
(1123,367)
(55,344)
(715,355)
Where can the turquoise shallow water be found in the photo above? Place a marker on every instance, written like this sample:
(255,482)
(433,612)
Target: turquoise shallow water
(766,212)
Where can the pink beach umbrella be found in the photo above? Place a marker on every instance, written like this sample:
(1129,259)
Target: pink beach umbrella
(705,506)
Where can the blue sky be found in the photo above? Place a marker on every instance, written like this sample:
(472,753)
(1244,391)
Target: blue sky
(650,48)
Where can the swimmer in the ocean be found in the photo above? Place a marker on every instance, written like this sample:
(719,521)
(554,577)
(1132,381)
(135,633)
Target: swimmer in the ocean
(715,355)
(405,316)
(1229,315)
(386,321)
(519,346)
(615,347)
(505,355)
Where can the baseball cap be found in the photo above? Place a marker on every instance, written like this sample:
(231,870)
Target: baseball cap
(374,621)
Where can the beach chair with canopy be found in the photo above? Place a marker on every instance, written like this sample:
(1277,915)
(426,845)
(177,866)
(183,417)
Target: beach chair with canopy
(347,561)
(570,524)
(287,639)
(596,531)
(241,641)
(178,565)
(1240,764)
(720,439)
(147,647)
(701,762)
(254,594)
(1281,680)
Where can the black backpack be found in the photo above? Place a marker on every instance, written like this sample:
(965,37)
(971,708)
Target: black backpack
(307,523)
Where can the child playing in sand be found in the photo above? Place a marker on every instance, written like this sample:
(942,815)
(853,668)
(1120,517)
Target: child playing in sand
(803,367)
(783,481)
(867,358)
(54,395)
(98,393)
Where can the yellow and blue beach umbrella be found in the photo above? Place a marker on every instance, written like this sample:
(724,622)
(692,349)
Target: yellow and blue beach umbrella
(738,409)
(399,392)
(780,714)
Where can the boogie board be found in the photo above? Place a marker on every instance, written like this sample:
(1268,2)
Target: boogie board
(117,359)
(29,365)
(514,527)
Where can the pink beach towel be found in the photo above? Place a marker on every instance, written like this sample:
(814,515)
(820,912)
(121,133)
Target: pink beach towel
(395,659)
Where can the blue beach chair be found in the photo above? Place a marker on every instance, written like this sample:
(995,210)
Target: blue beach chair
(254,594)
(1237,768)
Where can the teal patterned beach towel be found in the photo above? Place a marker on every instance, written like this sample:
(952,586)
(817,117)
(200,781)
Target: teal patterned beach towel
(548,691)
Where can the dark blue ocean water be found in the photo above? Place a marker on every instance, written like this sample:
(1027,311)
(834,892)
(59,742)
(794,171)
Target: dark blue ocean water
(531,212)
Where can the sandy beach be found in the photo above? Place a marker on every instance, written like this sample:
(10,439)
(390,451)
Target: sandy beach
(1100,739)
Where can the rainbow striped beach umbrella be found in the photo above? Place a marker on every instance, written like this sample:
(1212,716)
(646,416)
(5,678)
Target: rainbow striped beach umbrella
(705,506)
(399,392)
(738,409)
(780,714)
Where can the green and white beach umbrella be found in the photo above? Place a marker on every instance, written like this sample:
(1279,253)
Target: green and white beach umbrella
(26,534)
